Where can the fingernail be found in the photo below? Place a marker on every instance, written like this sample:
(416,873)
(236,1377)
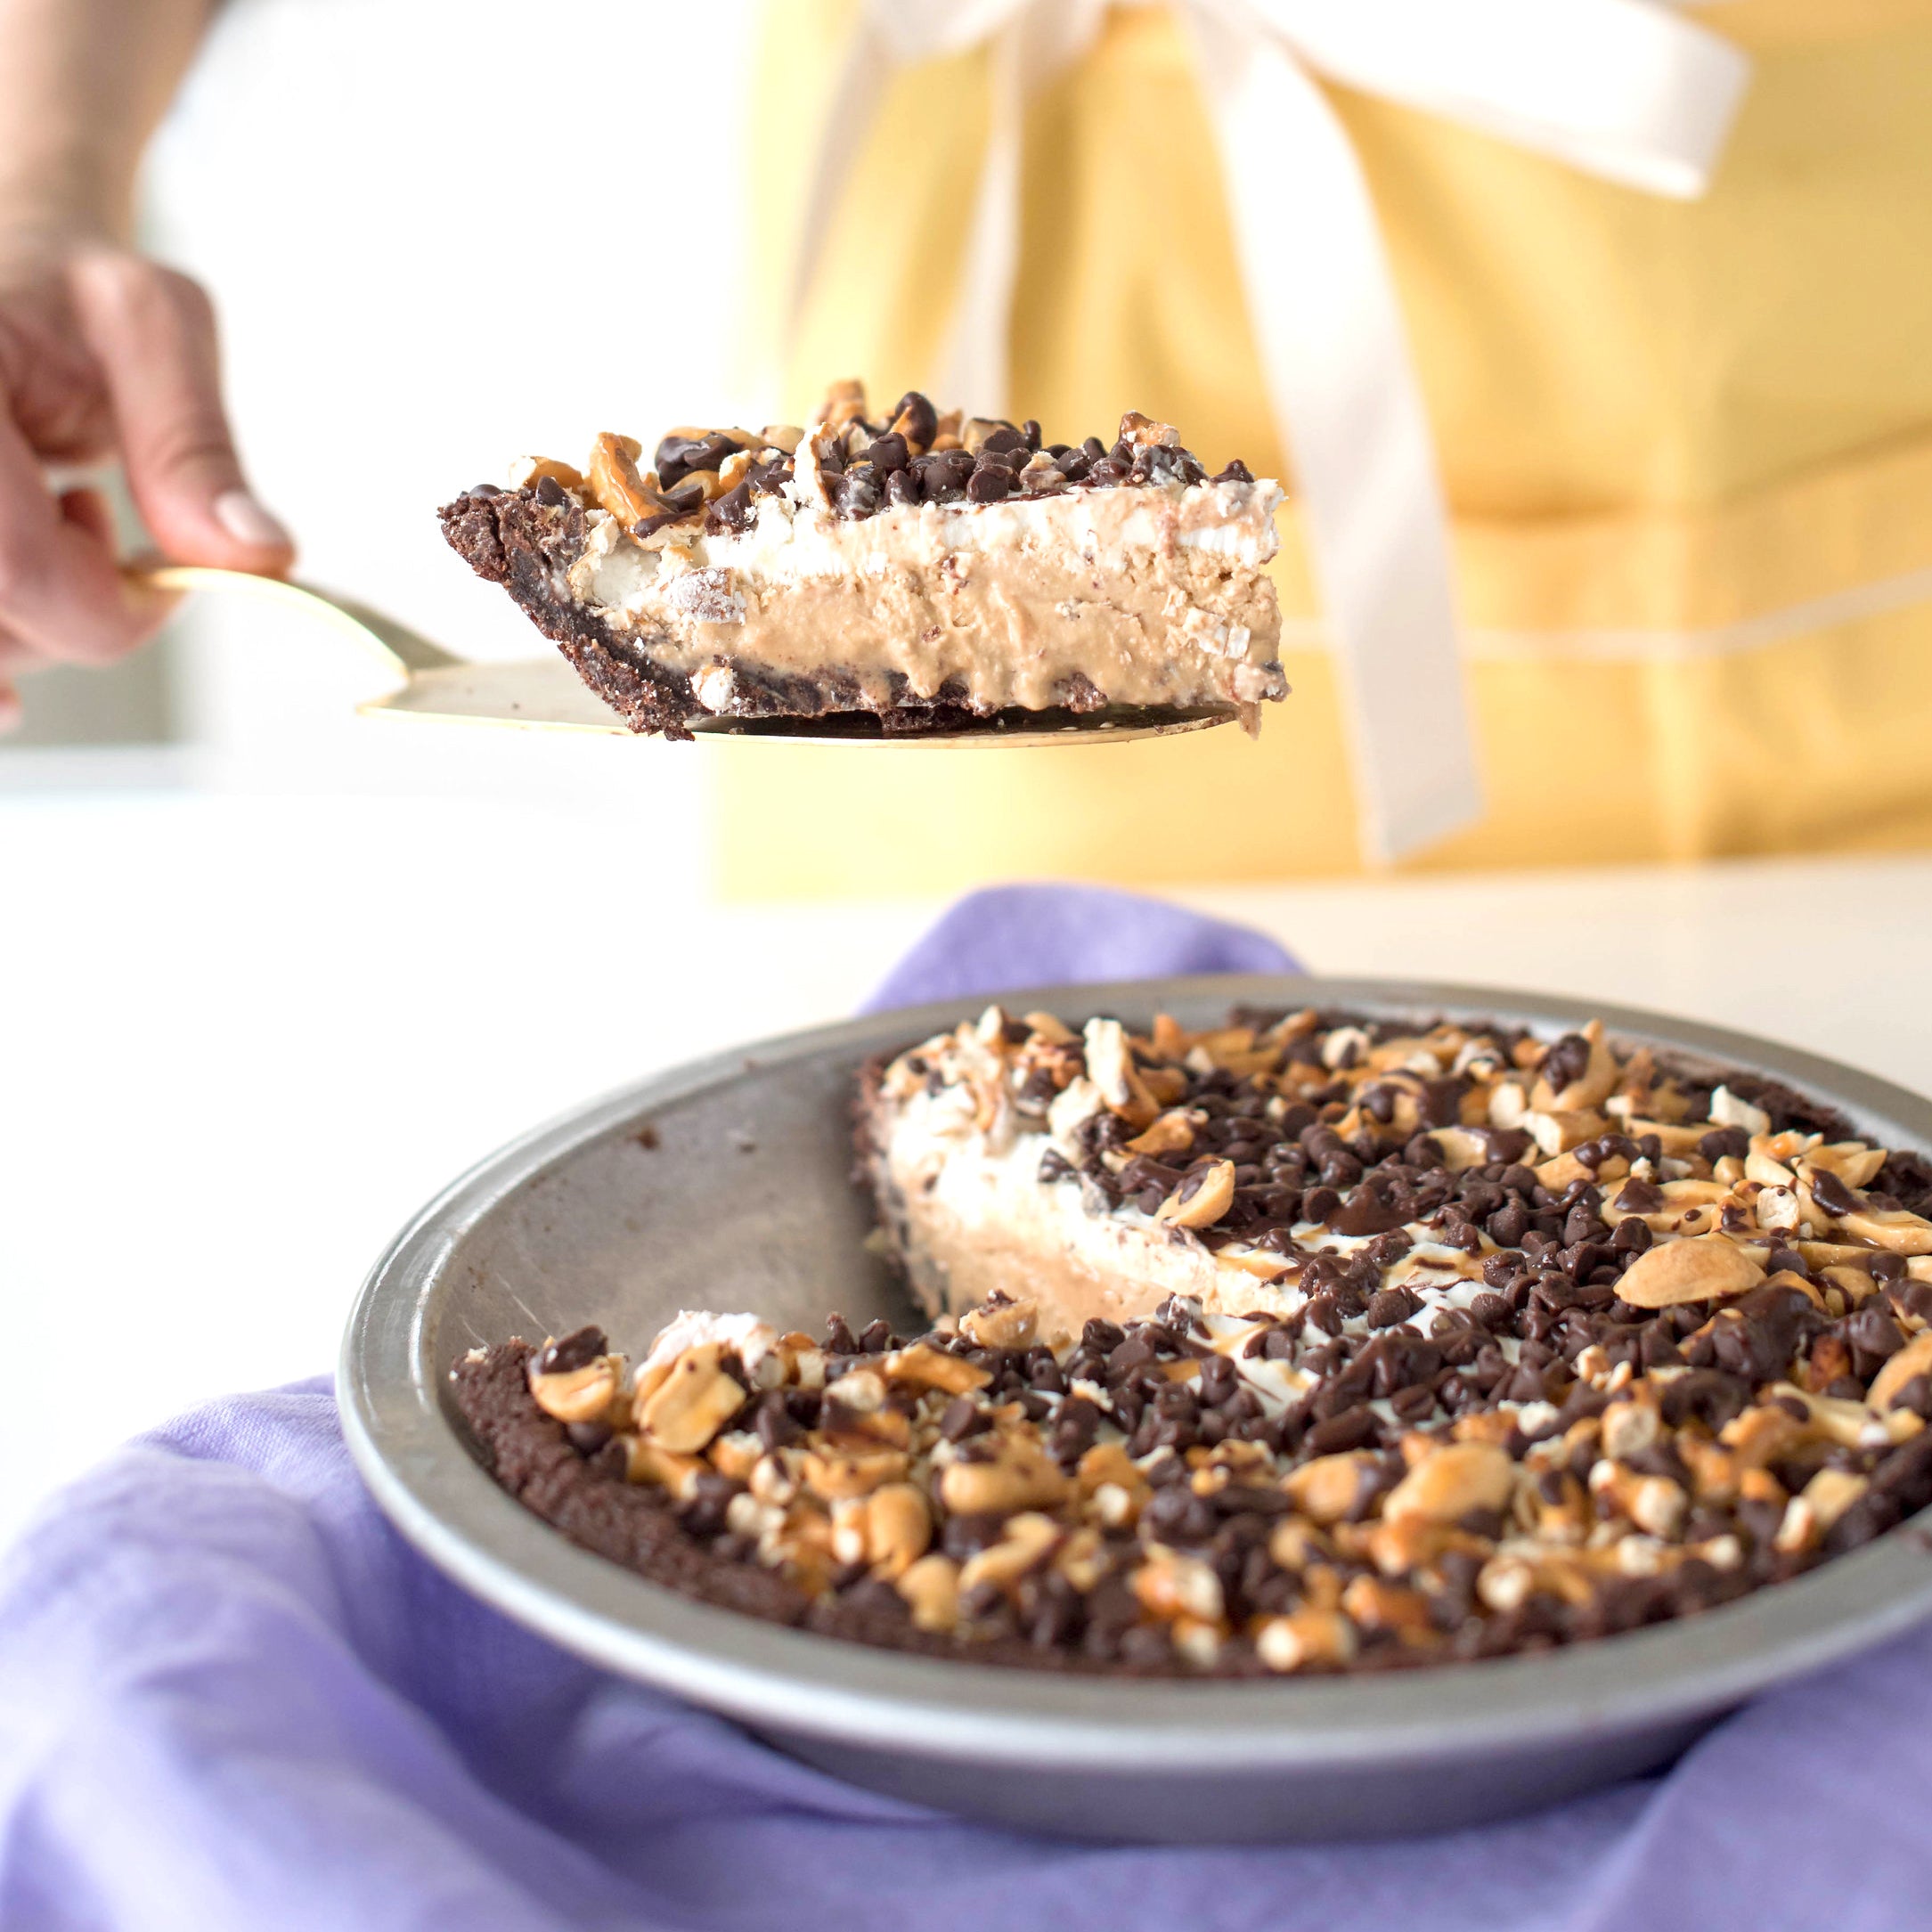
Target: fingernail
(245,520)
(10,709)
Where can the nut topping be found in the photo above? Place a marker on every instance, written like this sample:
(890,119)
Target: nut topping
(1703,1269)
(578,1395)
(852,466)
(693,1402)
(1201,1199)
(1451,1481)
(615,484)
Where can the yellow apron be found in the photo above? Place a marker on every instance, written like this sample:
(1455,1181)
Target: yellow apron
(1687,448)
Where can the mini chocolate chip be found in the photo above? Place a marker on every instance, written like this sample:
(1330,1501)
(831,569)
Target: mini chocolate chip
(1413,1404)
(549,491)
(920,419)
(676,457)
(1319,1203)
(990,484)
(1567,1060)
(1871,1332)
(1350,1430)
(1831,1194)
(963,1417)
(577,1350)
(1340,1170)
(1043,1371)
(774,1421)
(587,1437)
(732,512)
(1637,1197)
(1581,1224)
(1177,1514)
(1492,1310)
(1389,1305)
(1915,1394)
(710,1497)
(1508,1225)
(1236,471)
(668,458)
(1630,1236)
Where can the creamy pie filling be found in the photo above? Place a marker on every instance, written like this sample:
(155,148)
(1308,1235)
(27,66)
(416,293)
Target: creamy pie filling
(1154,596)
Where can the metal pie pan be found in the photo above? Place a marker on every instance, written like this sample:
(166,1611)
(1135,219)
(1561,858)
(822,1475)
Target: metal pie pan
(725,1184)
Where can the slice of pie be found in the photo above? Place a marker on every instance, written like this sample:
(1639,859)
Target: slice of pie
(917,567)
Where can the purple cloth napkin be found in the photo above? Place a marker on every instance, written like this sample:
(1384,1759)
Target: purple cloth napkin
(232,1697)
(1046,935)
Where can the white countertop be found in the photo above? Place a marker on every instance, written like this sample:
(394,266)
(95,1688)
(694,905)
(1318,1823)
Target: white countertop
(249,1033)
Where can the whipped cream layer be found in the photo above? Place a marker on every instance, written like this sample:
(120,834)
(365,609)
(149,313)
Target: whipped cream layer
(974,1219)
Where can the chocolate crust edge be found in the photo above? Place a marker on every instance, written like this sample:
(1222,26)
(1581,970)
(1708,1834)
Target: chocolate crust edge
(528,1454)
(512,538)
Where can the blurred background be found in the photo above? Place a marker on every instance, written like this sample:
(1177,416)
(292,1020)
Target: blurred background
(334,172)
(1682,439)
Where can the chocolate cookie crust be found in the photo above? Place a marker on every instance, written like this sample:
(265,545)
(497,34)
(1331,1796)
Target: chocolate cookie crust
(526,541)
(586,1496)
(1475,1389)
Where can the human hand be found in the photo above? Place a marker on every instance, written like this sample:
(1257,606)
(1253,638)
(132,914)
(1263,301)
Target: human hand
(105,353)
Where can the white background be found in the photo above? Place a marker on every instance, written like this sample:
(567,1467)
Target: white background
(442,235)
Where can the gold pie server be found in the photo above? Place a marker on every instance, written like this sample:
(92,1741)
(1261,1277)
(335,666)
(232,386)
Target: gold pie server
(544,694)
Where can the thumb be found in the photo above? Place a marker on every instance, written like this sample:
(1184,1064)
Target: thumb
(152,332)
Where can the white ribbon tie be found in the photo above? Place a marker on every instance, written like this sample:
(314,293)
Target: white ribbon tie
(1624,89)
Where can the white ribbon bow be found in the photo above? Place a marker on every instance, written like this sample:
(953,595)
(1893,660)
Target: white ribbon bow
(1621,88)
